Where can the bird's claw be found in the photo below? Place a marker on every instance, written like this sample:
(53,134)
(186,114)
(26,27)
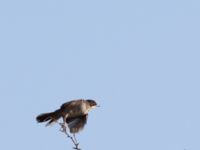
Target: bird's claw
(76,148)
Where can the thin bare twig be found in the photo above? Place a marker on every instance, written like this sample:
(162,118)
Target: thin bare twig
(73,139)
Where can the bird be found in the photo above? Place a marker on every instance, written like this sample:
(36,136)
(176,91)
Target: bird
(74,114)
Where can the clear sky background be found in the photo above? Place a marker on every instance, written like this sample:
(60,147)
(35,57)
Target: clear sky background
(139,59)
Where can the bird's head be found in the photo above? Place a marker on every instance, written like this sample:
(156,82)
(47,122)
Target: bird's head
(92,103)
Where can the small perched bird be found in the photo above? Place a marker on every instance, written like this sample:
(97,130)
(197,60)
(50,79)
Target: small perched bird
(74,114)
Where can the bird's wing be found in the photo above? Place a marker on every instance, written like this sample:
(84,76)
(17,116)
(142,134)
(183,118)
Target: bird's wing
(76,124)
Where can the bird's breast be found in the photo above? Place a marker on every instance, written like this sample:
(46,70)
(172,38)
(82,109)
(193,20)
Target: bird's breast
(85,109)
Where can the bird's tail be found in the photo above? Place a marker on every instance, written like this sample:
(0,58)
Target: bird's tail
(50,117)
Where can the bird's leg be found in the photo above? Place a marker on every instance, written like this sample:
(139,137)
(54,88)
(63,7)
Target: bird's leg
(64,124)
(75,138)
(63,127)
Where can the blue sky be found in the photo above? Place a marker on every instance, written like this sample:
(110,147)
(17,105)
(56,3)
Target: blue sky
(138,59)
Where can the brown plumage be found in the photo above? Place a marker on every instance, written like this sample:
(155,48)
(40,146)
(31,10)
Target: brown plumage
(74,113)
